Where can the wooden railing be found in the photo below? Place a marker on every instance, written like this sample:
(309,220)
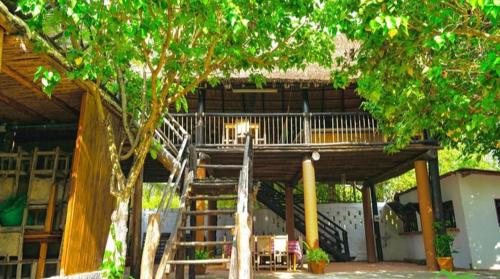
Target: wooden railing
(241,259)
(175,153)
(225,129)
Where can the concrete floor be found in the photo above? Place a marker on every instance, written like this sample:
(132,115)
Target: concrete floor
(358,270)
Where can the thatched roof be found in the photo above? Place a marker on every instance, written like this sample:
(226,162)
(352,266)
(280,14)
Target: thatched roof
(312,73)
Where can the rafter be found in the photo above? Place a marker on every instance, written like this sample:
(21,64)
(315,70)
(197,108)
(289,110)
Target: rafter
(35,89)
(20,107)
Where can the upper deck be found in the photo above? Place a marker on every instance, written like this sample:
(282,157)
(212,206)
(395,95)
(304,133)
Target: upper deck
(292,123)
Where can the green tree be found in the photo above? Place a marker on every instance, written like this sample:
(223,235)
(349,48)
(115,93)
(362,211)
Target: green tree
(425,65)
(449,160)
(149,54)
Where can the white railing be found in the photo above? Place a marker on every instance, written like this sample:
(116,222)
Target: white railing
(225,129)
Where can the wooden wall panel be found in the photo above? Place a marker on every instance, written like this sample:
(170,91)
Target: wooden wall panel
(90,203)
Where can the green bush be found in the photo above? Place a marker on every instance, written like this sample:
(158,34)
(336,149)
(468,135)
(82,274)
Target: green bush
(316,255)
(201,254)
(443,242)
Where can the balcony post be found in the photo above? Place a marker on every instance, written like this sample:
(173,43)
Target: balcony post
(426,216)
(200,117)
(437,201)
(306,109)
(290,218)
(376,222)
(310,203)
(368,221)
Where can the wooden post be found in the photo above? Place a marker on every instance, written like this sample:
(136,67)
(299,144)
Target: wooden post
(426,216)
(437,201)
(307,121)
(376,223)
(49,219)
(212,221)
(199,121)
(1,46)
(310,203)
(368,221)
(135,267)
(290,219)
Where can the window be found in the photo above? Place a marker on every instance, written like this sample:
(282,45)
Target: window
(497,205)
(449,215)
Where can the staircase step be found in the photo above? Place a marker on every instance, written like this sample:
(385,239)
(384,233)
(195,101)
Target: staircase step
(203,243)
(214,186)
(212,198)
(208,228)
(207,261)
(211,212)
(214,182)
(210,166)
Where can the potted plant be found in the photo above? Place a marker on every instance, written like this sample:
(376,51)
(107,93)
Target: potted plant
(200,254)
(317,259)
(443,244)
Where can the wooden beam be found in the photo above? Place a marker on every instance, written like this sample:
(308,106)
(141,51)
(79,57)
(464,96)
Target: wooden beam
(5,21)
(35,89)
(368,221)
(20,107)
(49,219)
(1,46)
(400,169)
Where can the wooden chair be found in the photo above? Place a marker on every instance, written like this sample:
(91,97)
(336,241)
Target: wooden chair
(280,251)
(264,250)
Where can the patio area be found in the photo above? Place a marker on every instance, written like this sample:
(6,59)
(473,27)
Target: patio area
(355,270)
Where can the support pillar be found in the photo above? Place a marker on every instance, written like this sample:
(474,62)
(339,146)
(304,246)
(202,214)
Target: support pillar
(135,267)
(437,201)
(201,173)
(290,219)
(376,223)
(368,221)
(426,215)
(212,221)
(310,203)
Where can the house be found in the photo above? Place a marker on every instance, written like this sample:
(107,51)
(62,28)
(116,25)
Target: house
(297,127)
(471,203)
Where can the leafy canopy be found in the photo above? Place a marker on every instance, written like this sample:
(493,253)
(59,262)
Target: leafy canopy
(426,65)
(179,43)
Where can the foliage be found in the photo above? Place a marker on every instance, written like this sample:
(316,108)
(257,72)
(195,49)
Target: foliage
(110,267)
(316,255)
(201,254)
(425,65)
(443,242)
(449,160)
(147,55)
(152,194)
(450,275)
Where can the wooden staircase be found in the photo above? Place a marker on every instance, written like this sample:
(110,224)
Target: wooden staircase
(180,250)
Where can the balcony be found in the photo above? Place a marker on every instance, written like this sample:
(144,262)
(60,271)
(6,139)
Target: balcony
(280,129)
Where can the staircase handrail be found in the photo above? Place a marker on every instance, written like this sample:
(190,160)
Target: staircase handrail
(240,253)
(323,216)
(336,234)
(180,167)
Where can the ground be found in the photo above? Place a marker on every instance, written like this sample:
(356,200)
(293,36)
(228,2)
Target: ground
(356,270)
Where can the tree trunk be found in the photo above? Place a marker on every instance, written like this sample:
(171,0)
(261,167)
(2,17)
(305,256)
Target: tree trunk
(116,245)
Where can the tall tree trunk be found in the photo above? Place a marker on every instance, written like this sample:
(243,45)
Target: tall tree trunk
(116,245)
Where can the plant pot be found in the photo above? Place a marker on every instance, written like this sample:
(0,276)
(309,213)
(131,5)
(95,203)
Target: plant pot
(200,269)
(445,263)
(317,267)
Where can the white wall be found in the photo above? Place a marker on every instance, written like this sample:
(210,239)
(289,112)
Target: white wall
(477,240)
(167,226)
(348,215)
(478,193)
